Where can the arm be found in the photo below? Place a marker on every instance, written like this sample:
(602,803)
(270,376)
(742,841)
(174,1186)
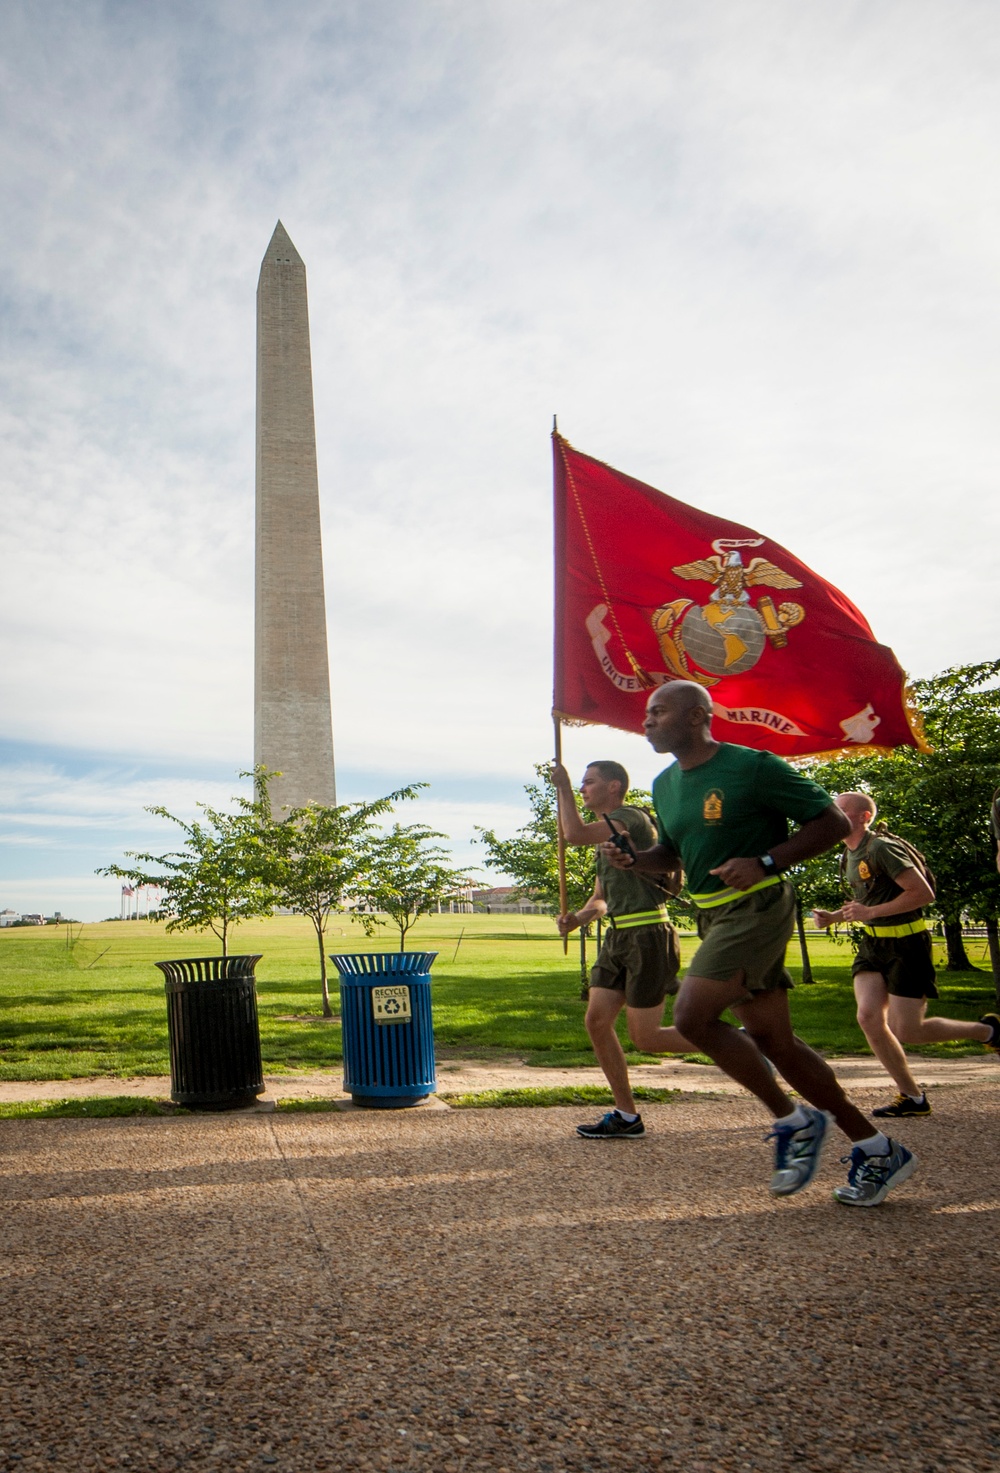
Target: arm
(659,861)
(575,831)
(915,893)
(816,836)
(593,908)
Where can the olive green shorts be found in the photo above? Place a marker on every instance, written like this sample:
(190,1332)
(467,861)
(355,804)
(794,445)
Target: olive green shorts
(906,963)
(750,936)
(641,961)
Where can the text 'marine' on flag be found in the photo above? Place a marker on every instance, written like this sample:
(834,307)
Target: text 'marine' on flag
(649,590)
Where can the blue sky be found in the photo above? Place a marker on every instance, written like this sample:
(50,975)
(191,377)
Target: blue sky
(748,251)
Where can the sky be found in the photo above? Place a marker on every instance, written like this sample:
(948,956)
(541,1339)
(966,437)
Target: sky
(747,252)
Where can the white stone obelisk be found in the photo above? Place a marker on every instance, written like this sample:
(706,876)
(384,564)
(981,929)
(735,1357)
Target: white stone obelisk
(293,730)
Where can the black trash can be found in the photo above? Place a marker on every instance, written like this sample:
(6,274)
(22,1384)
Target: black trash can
(388,1031)
(215,1061)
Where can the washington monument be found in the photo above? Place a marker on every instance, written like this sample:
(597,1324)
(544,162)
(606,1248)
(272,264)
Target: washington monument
(293,731)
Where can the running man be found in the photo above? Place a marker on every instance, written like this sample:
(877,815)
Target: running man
(723,810)
(894,966)
(640,956)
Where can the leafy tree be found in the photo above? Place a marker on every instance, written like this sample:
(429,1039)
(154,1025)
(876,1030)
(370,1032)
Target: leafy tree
(215,880)
(940,800)
(531,856)
(318,857)
(407,876)
(817,886)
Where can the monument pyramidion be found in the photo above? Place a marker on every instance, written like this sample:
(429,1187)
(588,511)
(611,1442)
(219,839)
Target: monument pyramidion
(293,729)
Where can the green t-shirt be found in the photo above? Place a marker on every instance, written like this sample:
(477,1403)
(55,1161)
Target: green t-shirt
(626,892)
(734,806)
(871,871)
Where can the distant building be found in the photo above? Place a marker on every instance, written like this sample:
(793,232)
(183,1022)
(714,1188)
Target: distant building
(506,900)
(33,919)
(9,917)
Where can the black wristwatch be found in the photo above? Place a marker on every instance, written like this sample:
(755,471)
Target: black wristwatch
(771,865)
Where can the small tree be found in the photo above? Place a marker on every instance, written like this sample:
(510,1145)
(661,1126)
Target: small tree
(408,876)
(215,880)
(531,856)
(318,857)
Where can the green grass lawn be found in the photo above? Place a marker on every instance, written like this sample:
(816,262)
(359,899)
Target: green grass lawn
(98,1008)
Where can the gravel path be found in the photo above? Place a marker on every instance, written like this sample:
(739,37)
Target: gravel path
(457,1076)
(480,1290)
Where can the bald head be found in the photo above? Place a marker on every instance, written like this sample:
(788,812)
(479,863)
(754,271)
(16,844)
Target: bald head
(681,695)
(854,804)
(679,718)
(860,808)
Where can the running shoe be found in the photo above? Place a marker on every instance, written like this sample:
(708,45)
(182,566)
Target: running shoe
(613,1127)
(797,1152)
(993,1019)
(904,1105)
(871,1177)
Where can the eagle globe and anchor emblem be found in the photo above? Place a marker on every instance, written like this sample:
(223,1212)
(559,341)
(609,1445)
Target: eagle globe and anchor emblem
(728,634)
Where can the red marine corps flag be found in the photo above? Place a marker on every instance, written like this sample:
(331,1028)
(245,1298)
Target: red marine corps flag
(649,590)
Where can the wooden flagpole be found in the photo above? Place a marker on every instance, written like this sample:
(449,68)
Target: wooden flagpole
(560,553)
(561,842)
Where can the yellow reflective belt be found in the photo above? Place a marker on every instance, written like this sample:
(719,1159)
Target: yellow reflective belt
(640,918)
(909,929)
(723,897)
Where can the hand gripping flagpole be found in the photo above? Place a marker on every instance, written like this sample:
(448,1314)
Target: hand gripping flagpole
(559,541)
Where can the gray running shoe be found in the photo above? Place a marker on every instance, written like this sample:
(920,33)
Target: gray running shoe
(871,1177)
(797,1152)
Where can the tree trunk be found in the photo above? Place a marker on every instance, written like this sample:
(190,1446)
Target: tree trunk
(958,960)
(993,937)
(327,1009)
(807,971)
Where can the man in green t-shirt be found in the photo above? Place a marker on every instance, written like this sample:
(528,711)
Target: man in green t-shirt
(723,811)
(894,967)
(640,956)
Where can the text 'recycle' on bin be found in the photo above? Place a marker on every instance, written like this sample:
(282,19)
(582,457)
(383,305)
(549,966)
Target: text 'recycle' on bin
(391,1004)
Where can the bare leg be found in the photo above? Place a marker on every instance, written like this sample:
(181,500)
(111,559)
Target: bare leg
(873,1009)
(766,1019)
(602,1009)
(696,1012)
(907,1021)
(646,1030)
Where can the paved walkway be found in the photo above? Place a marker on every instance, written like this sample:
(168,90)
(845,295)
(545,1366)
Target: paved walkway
(460,1076)
(482,1292)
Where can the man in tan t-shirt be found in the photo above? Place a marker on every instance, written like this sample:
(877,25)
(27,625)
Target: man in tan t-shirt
(640,956)
(894,967)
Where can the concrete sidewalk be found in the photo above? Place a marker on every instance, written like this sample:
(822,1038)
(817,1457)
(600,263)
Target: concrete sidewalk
(462,1076)
(483,1292)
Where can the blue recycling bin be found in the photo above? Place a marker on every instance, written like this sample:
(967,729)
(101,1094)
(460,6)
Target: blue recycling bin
(388,1032)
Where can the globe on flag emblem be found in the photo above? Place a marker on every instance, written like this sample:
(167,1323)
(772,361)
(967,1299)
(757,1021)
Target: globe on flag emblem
(728,643)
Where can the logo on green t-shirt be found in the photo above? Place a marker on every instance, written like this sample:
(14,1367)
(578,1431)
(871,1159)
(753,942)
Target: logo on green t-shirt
(711,808)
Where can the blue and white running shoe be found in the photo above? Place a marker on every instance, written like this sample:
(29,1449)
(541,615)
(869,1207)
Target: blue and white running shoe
(871,1177)
(797,1152)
